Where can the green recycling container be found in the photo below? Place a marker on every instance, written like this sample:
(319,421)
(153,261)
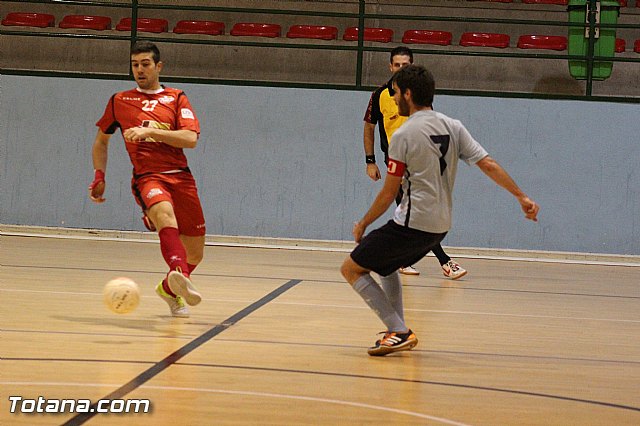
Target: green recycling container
(579,42)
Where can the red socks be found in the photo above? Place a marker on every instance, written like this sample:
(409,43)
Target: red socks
(172,250)
(174,254)
(165,287)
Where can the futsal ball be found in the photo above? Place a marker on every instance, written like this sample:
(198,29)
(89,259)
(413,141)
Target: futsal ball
(121,295)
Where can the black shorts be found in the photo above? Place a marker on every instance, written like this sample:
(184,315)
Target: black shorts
(392,246)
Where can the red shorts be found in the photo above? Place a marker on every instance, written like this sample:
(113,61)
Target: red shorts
(180,190)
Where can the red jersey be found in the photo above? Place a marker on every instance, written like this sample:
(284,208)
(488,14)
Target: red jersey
(167,109)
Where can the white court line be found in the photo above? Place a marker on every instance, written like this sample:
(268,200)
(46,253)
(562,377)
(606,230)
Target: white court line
(251,393)
(322,305)
(339,246)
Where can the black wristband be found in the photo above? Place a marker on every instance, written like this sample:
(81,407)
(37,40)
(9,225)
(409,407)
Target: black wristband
(370,159)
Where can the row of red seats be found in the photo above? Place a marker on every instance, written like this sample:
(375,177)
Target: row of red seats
(384,35)
(622,3)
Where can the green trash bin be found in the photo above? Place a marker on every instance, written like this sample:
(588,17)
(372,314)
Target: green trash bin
(605,41)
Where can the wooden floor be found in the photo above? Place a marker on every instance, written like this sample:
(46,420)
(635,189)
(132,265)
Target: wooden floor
(280,339)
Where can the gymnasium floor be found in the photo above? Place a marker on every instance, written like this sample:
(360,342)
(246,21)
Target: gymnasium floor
(280,339)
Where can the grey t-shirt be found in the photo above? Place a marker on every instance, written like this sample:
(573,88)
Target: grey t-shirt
(429,144)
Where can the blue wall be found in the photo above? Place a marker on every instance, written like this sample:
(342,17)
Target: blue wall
(279,162)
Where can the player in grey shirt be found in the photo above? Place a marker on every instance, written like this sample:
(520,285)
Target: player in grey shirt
(425,152)
(427,148)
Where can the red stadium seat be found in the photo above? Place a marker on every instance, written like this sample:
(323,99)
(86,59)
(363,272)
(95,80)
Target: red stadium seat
(621,45)
(320,32)
(542,42)
(256,30)
(149,25)
(558,2)
(636,46)
(382,35)
(20,19)
(484,40)
(442,38)
(199,27)
(86,22)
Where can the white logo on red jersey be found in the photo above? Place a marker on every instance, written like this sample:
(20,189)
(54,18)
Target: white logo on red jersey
(187,113)
(153,192)
(166,99)
(126,98)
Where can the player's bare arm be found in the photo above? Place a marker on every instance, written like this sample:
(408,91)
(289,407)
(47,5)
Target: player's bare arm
(99,155)
(491,168)
(386,196)
(369,140)
(174,138)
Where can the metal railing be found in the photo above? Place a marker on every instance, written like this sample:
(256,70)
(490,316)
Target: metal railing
(359,48)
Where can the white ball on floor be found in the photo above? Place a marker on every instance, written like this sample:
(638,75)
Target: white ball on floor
(121,295)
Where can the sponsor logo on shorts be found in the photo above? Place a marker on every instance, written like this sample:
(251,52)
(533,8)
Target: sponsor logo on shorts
(187,113)
(154,192)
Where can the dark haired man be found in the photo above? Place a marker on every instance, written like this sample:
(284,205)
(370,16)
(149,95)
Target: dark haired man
(423,157)
(157,122)
(383,111)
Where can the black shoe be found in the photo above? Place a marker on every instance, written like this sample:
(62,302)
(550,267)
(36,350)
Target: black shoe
(393,342)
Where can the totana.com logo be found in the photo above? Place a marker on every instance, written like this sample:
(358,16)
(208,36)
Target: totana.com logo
(43,405)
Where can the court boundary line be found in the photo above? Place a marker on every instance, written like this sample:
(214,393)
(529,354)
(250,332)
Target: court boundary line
(423,382)
(324,305)
(323,345)
(321,245)
(174,357)
(365,377)
(257,394)
(315,280)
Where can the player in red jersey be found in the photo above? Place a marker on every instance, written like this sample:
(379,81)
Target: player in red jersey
(157,122)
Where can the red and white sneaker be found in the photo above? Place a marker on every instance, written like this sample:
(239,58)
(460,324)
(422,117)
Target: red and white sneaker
(452,270)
